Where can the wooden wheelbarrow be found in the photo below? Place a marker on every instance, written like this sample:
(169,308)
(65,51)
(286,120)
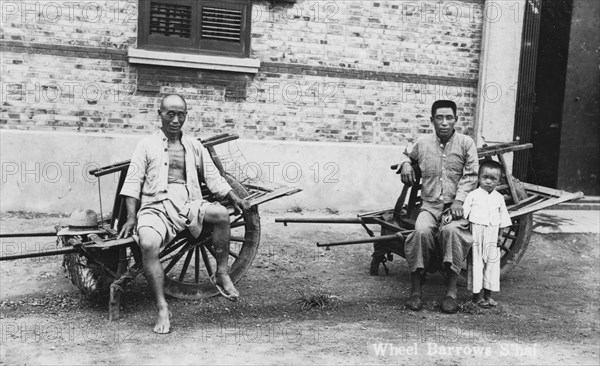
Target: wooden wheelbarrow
(99,264)
(522,199)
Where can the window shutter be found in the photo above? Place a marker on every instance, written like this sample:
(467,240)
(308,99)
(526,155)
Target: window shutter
(221,24)
(167,24)
(225,27)
(171,20)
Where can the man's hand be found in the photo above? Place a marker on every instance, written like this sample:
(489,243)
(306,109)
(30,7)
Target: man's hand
(457,209)
(128,229)
(239,204)
(131,224)
(407,174)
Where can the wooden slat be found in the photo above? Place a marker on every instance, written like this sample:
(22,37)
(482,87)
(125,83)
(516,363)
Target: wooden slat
(259,188)
(546,203)
(543,190)
(273,195)
(266,197)
(497,146)
(111,243)
(375,213)
(505,150)
(511,183)
(386,224)
(524,202)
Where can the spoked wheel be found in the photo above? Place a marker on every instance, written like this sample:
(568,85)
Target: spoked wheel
(516,237)
(189,263)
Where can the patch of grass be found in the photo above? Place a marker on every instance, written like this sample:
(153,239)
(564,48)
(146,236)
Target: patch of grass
(466,307)
(469,307)
(319,300)
(296,209)
(332,211)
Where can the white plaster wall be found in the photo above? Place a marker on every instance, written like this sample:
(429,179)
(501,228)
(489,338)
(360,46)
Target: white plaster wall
(46,171)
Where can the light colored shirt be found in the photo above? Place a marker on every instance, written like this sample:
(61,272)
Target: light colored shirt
(147,176)
(489,209)
(449,172)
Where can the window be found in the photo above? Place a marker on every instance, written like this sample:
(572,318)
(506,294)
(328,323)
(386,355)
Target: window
(218,27)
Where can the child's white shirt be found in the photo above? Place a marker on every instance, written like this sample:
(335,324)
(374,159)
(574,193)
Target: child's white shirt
(483,208)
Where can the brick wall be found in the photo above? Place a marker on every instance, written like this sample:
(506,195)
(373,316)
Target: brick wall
(357,71)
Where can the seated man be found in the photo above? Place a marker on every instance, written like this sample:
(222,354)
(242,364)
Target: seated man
(163,198)
(448,161)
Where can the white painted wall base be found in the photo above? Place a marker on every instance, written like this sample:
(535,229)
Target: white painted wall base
(46,171)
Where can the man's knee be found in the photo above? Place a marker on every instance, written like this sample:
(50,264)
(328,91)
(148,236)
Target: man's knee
(424,226)
(150,240)
(446,229)
(217,214)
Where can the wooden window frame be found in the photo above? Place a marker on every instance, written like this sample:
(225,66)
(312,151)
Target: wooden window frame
(195,44)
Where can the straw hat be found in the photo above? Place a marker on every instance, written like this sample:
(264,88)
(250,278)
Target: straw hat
(82,222)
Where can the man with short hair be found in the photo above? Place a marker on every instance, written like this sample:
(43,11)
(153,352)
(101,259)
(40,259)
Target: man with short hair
(448,162)
(163,197)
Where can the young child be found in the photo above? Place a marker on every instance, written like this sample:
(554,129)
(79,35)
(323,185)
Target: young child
(486,211)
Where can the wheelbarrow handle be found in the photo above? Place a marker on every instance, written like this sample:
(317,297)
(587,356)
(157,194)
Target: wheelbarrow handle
(397,236)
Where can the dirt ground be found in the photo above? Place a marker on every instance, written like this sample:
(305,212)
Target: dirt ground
(548,313)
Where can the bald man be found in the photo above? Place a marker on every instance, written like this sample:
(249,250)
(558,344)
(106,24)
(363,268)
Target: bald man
(163,198)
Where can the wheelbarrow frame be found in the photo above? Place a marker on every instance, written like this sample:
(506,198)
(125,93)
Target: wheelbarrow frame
(397,223)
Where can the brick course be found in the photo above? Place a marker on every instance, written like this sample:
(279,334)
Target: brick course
(347,71)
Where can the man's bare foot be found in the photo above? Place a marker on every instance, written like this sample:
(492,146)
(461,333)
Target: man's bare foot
(224,281)
(163,323)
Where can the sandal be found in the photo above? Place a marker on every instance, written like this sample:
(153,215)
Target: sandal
(492,302)
(483,303)
(222,290)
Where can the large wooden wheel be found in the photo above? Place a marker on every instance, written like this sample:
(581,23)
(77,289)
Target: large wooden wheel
(516,237)
(188,263)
